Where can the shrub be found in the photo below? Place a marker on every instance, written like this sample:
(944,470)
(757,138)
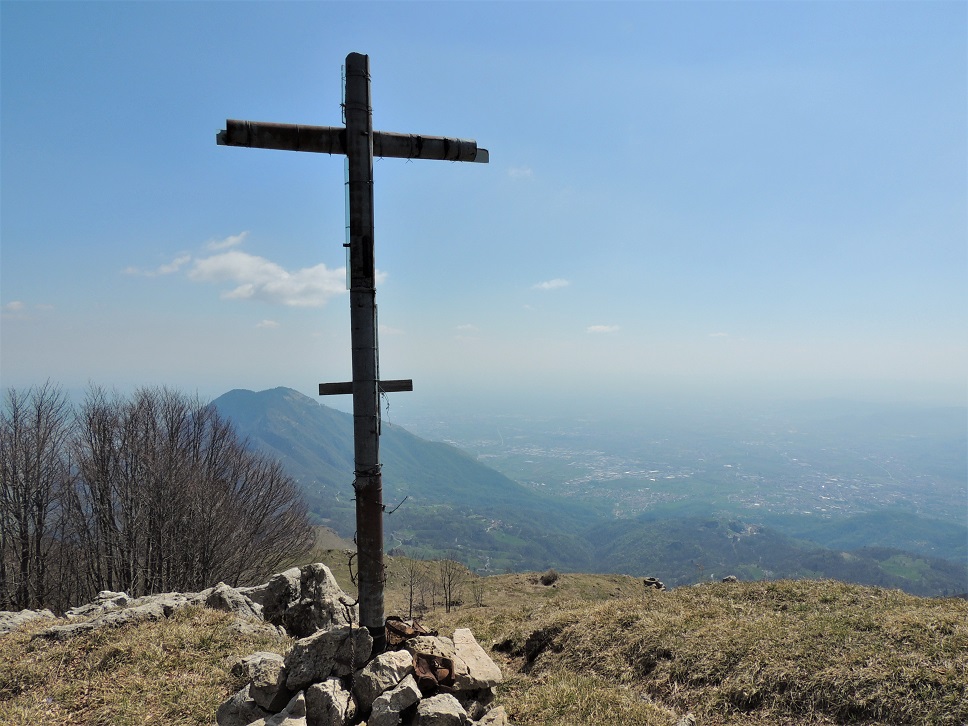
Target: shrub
(549,578)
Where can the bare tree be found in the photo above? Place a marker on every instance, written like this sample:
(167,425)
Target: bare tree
(170,499)
(452,575)
(143,494)
(414,575)
(477,587)
(34,471)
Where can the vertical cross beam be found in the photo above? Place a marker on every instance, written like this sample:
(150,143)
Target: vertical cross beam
(368,481)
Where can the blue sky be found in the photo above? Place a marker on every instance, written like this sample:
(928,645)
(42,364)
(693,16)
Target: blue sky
(702,197)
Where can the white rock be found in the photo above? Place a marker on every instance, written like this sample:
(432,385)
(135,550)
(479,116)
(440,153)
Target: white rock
(223,597)
(381,674)
(497,716)
(294,714)
(329,704)
(11,620)
(239,710)
(479,670)
(306,599)
(387,709)
(267,675)
(336,652)
(441,710)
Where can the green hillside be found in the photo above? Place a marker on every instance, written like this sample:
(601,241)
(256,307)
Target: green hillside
(443,501)
(891,527)
(683,551)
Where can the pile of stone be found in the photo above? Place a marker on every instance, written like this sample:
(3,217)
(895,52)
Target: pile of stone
(325,680)
(329,678)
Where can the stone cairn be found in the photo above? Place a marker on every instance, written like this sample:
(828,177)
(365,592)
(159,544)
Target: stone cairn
(328,677)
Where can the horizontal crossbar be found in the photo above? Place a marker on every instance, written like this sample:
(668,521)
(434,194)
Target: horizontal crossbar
(337,389)
(332,140)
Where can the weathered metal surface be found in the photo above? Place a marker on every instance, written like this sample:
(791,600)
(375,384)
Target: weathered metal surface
(337,389)
(368,481)
(332,140)
(285,137)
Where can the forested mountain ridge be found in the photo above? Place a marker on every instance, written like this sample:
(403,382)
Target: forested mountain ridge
(446,503)
(442,499)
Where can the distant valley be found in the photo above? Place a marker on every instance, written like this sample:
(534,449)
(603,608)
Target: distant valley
(815,493)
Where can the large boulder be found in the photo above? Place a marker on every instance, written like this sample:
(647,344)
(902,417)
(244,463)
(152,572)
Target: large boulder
(336,652)
(306,599)
(389,707)
(10,620)
(240,710)
(229,599)
(266,673)
(148,609)
(473,668)
(329,704)
(441,710)
(479,670)
(294,714)
(381,674)
(106,600)
(497,716)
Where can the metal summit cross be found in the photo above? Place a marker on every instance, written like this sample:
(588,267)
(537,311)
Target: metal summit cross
(359,142)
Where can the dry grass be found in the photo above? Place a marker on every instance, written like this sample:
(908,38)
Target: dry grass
(170,672)
(589,649)
(802,652)
(784,652)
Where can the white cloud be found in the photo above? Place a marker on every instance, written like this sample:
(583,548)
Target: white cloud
(14,306)
(256,278)
(555,284)
(267,324)
(174,266)
(719,335)
(467,328)
(230,241)
(520,172)
(387,330)
(602,329)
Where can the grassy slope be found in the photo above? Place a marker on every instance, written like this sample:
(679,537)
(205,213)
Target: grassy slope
(170,672)
(589,649)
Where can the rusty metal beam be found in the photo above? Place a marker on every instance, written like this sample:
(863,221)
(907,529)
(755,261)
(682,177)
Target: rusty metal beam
(332,140)
(338,389)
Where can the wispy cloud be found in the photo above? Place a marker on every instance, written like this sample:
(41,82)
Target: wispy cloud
(467,328)
(555,284)
(230,241)
(602,329)
(387,330)
(520,172)
(19,310)
(719,335)
(174,266)
(267,324)
(256,278)
(250,277)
